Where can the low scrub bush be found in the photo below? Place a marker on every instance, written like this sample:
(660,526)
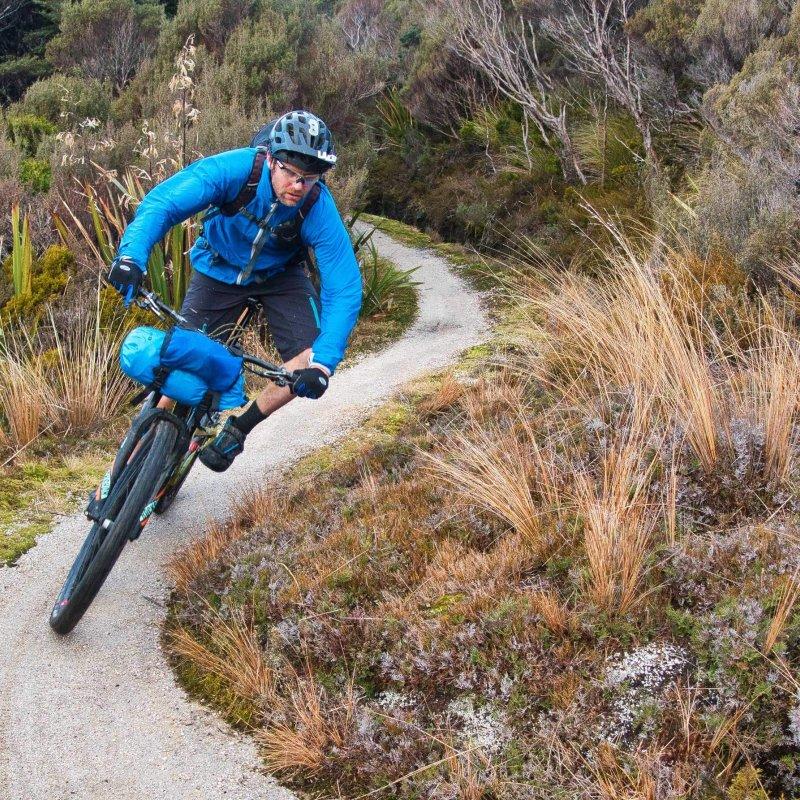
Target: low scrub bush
(27,131)
(35,174)
(64,100)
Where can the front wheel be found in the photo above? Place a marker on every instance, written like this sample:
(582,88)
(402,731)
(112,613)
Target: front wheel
(125,511)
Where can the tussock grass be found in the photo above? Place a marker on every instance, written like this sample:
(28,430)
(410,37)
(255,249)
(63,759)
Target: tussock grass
(550,578)
(618,523)
(23,387)
(86,387)
(60,382)
(498,471)
(788,597)
(185,567)
(232,652)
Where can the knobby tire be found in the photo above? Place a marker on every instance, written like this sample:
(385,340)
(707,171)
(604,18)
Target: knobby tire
(129,496)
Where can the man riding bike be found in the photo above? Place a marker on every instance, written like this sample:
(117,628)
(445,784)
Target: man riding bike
(253,244)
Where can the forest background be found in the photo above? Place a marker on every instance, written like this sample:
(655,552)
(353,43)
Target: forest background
(631,168)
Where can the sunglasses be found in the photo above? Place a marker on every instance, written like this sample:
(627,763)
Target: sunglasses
(296,177)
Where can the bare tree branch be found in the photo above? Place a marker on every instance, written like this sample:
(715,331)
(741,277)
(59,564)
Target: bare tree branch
(360,23)
(506,53)
(594,37)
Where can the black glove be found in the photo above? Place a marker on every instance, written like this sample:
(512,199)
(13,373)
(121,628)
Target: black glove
(126,277)
(311,382)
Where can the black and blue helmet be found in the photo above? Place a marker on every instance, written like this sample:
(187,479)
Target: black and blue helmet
(302,139)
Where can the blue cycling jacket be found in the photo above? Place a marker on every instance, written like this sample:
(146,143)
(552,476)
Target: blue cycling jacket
(223,250)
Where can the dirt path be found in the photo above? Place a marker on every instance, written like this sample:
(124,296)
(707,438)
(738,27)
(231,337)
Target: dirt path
(98,714)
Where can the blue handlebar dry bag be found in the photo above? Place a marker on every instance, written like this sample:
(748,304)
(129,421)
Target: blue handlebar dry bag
(196,365)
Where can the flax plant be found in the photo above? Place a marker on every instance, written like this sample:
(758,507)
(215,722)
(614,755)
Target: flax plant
(169,268)
(21,252)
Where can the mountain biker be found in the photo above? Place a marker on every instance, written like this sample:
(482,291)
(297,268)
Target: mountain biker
(258,250)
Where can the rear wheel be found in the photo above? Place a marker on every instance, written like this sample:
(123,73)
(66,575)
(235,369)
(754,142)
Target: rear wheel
(125,511)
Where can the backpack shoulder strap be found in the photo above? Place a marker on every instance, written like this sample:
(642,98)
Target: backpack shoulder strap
(308,203)
(248,190)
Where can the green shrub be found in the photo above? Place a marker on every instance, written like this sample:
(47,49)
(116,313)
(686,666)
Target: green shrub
(26,131)
(62,99)
(36,174)
(259,61)
(746,785)
(50,274)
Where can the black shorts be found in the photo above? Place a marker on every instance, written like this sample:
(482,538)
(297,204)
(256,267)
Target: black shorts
(291,305)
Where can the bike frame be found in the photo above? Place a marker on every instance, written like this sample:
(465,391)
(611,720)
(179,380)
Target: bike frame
(188,419)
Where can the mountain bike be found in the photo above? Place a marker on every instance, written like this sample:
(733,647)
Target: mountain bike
(153,461)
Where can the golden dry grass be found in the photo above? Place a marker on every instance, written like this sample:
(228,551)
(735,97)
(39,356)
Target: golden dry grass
(789,595)
(75,386)
(301,745)
(232,652)
(188,564)
(497,470)
(618,519)
(555,614)
(254,507)
(447,395)
(23,388)
(85,384)
(624,331)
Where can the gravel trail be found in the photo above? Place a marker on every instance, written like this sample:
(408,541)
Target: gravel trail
(98,714)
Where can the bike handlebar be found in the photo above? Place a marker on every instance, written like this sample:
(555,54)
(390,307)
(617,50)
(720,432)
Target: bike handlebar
(256,366)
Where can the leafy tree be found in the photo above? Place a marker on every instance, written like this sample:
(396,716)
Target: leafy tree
(106,39)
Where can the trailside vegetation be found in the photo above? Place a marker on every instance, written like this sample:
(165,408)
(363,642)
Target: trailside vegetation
(569,570)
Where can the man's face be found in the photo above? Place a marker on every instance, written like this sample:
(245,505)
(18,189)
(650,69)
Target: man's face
(290,184)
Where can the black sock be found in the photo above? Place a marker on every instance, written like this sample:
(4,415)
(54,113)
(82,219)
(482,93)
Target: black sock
(251,417)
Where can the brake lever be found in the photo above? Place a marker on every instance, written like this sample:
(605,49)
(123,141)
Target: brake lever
(147,303)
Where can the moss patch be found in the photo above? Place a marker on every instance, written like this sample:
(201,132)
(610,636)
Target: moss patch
(36,492)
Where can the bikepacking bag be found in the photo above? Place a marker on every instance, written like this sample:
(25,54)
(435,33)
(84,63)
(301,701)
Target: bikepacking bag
(184,365)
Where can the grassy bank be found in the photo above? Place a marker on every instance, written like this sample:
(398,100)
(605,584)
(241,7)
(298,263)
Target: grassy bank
(567,569)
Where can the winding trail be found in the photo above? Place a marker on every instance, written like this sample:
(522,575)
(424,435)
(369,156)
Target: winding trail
(98,714)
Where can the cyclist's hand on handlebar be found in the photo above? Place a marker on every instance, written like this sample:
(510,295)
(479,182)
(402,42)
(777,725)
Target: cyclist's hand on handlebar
(126,277)
(310,382)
